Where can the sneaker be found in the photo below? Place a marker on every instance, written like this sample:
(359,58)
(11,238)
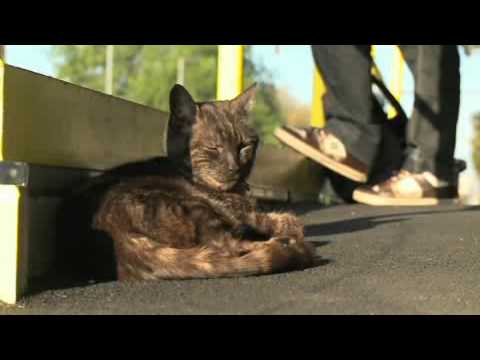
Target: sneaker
(406,189)
(324,148)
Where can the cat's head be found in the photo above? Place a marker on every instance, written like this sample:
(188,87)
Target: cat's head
(213,140)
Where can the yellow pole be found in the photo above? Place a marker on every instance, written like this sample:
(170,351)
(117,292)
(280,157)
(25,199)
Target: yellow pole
(398,79)
(2,74)
(375,70)
(319,90)
(230,71)
(109,54)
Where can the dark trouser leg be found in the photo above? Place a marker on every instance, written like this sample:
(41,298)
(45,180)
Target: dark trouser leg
(431,134)
(349,100)
(410,54)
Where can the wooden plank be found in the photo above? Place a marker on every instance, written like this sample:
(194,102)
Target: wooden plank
(51,122)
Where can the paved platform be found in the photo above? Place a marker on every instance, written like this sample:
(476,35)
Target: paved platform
(376,261)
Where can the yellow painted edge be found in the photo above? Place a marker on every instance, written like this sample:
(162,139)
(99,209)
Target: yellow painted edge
(9,243)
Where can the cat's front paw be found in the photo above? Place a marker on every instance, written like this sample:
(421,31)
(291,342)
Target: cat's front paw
(300,252)
(288,225)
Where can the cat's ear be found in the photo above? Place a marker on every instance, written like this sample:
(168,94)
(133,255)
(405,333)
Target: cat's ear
(183,111)
(182,106)
(245,102)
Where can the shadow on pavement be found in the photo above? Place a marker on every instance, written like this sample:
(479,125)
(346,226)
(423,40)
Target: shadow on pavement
(365,223)
(347,226)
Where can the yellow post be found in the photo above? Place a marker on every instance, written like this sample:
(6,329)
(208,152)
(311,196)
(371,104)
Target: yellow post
(230,71)
(375,70)
(398,79)
(319,91)
(2,75)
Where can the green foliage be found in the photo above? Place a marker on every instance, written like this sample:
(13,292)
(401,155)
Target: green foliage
(146,73)
(476,142)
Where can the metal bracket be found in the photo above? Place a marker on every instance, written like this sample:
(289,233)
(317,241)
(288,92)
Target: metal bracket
(14,173)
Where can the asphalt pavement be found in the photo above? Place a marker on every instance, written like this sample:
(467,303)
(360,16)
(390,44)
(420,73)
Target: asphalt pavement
(374,261)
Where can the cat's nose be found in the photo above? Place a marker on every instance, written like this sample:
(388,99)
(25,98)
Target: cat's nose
(232,167)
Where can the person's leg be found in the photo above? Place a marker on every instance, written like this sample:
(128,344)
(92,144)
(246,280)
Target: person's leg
(410,54)
(431,134)
(429,173)
(348,145)
(346,71)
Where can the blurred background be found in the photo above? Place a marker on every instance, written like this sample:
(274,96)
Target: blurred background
(145,74)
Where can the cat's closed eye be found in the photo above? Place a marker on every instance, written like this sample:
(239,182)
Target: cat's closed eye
(214,149)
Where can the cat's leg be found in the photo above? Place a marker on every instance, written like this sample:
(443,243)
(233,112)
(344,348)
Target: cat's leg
(279,254)
(277,224)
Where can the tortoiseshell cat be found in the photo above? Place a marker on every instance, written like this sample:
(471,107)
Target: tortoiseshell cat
(188,216)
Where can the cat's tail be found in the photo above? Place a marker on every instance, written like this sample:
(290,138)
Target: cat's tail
(275,255)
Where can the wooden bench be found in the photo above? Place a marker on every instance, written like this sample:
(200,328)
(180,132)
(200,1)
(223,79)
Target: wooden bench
(52,135)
